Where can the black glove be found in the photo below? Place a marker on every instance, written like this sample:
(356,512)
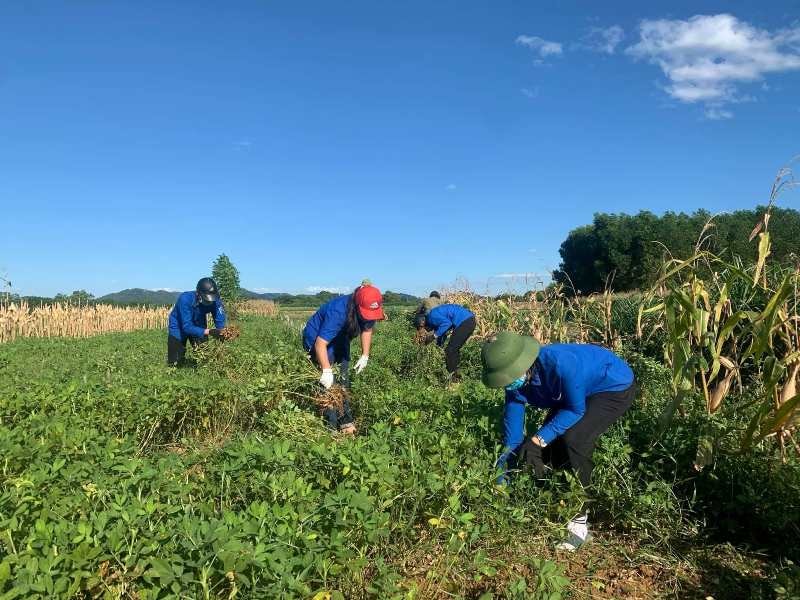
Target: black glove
(215,333)
(530,458)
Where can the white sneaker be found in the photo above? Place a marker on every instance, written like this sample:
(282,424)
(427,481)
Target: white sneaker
(578,534)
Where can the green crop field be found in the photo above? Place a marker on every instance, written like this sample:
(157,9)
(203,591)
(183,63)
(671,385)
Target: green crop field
(122,478)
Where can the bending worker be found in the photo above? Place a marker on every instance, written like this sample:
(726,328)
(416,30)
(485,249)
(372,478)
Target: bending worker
(585,388)
(187,321)
(443,319)
(327,336)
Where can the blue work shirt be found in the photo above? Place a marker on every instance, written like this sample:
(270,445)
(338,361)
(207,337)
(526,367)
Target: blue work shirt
(445,317)
(564,376)
(330,324)
(188,316)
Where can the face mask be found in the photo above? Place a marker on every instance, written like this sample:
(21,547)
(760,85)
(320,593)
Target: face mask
(516,384)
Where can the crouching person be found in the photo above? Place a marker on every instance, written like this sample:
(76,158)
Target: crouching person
(585,388)
(327,336)
(453,320)
(187,320)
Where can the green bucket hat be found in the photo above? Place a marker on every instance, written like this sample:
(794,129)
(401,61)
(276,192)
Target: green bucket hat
(507,357)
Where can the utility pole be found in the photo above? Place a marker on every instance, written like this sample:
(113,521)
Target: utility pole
(7,285)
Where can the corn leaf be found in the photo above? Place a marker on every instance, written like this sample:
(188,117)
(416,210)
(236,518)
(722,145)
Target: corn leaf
(781,416)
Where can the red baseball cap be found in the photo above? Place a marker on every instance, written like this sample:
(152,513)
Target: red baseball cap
(370,303)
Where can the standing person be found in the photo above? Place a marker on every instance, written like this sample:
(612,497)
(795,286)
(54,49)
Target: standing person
(187,320)
(442,320)
(327,336)
(585,388)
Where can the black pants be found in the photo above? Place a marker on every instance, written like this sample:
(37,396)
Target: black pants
(460,335)
(176,350)
(575,447)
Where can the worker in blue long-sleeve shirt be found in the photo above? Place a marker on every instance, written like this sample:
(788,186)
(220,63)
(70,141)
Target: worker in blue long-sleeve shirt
(187,320)
(453,320)
(327,336)
(585,389)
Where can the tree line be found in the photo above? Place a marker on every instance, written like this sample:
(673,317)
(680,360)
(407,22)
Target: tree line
(625,252)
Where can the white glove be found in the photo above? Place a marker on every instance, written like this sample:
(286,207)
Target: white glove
(327,378)
(361,363)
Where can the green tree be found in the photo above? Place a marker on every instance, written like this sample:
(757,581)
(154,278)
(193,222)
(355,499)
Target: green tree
(626,251)
(76,297)
(227,277)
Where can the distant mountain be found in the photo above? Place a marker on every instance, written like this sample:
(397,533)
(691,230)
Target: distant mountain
(256,296)
(140,296)
(164,297)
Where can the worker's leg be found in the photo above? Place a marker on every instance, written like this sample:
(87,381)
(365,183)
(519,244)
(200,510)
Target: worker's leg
(458,338)
(602,410)
(176,351)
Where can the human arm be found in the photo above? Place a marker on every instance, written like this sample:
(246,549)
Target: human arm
(513,420)
(573,400)
(439,324)
(219,315)
(513,432)
(366,344)
(321,352)
(187,324)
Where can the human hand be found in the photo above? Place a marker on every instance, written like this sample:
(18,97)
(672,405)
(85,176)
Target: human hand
(530,454)
(327,378)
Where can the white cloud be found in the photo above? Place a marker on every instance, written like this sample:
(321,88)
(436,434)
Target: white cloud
(707,57)
(336,289)
(541,47)
(163,289)
(718,114)
(451,186)
(530,93)
(604,39)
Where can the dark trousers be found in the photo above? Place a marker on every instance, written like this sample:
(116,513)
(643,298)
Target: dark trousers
(452,353)
(176,350)
(575,447)
(333,418)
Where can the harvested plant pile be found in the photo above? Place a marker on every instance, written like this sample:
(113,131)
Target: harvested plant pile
(76,320)
(231,332)
(332,398)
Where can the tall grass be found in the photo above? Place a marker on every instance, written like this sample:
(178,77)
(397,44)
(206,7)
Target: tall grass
(551,315)
(257,308)
(18,320)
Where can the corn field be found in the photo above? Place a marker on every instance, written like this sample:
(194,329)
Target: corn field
(257,308)
(552,316)
(19,320)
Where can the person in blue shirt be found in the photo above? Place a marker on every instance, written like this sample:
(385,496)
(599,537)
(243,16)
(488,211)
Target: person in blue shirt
(187,320)
(585,388)
(327,336)
(443,319)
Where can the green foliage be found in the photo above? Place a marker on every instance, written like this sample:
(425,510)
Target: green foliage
(627,251)
(123,478)
(76,297)
(227,277)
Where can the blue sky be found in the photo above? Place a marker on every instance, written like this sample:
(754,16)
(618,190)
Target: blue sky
(415,143)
